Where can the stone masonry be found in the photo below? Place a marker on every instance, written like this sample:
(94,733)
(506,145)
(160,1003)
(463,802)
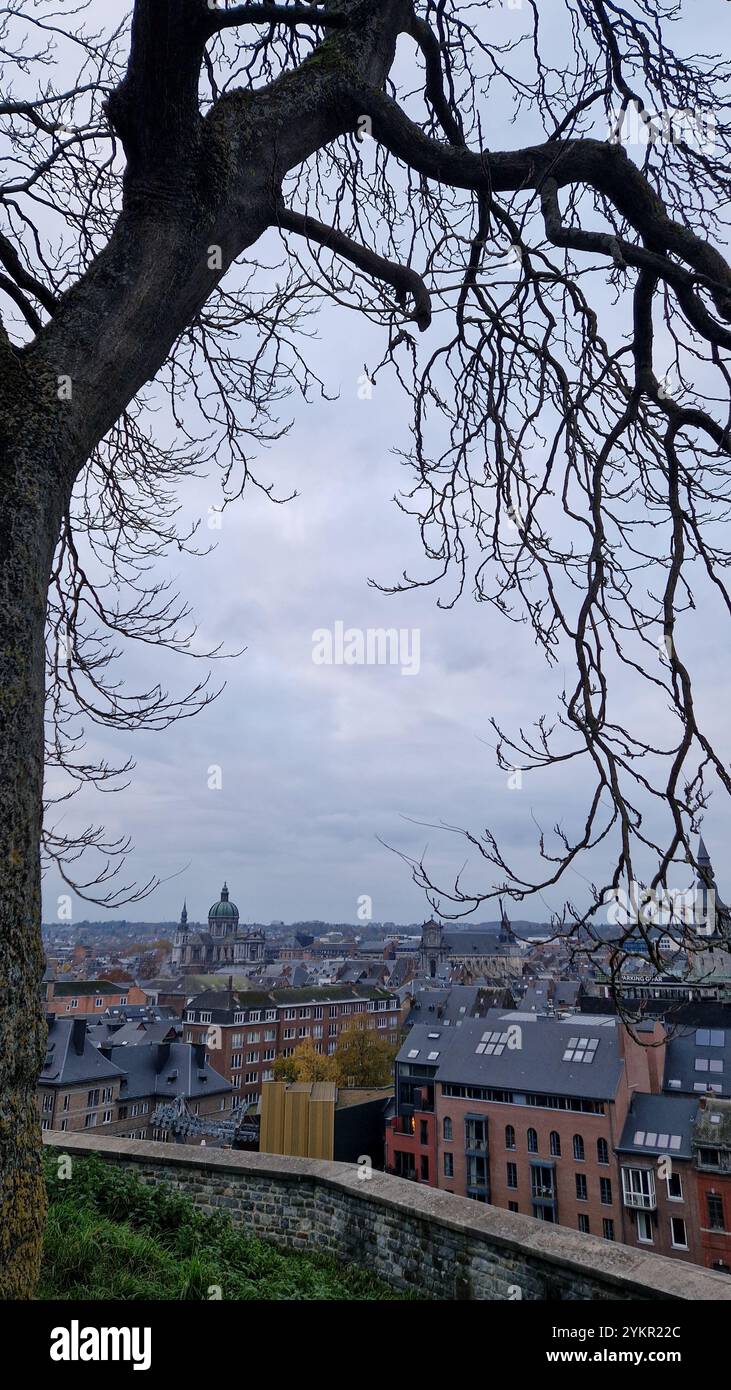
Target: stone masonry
(413,1236)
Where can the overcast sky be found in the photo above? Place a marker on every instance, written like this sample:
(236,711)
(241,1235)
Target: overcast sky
(320,761)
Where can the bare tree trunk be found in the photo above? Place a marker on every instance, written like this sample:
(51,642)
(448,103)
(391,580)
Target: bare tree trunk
(28,526)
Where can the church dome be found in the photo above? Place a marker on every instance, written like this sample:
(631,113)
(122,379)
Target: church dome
(224,910)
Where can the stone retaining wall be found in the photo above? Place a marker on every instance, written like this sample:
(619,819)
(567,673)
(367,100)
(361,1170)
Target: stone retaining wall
(415,1237)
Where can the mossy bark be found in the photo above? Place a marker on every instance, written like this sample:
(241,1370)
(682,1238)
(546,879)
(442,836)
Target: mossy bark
(29,513)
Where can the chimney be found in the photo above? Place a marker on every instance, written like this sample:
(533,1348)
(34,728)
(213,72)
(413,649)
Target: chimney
(199,1054)
(78,1035)
(163,1053)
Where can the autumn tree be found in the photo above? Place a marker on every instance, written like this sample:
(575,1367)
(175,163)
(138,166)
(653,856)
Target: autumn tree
(551,465)
(305,1064)
(361,1058)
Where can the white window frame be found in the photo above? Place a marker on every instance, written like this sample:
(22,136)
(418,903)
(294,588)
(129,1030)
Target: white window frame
(677,1245)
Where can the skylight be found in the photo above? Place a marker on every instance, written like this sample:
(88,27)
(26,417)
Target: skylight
(581,1050)
(710,1037)
(414,1052)
(432,1056)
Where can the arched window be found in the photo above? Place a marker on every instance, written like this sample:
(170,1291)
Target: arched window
(555,1143)
(532,1142)
(447,1127)
(578,1148)
(602,1151)
(509,1137)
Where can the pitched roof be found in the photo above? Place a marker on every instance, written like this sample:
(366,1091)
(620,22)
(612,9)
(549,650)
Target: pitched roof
(658,1125)
(524,1053)
(698,1060)
(71,1057)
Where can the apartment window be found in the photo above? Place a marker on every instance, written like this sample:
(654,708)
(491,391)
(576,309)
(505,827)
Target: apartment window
(90,1120)
(66,1100)
(236,1059)
(238,1018)
(675,1187)
(269,1054)
(476,1171)
(509,1137)
(236,1080)
(475,1134)
(290,1014)
(288,1033)
(135,1111)
(581,1190)
(45,1124)
(123,999)
(270,1016)
(303,1032)
(532,1142)
(424,1167)
(93,1098)
(305,1013)
(237,1040)
(584,1223)
(447,1128)
(449,1165)
(270,1034)
(64,1124)
(644,1228)
(267,1075)
(107,1093)
(98,1003)
(317,1030)
(205,1018)
(555,1143)
(608,1228)
(602,1151)
(709,1158)
(512,1172)
(252,1056)
(223,1103)
(714,1206)
(74,1004)
(512,1206)
(678,1233)
(332,1030)
(48,1101)
(107,1117)
(122,1112)
(639,1187)
(605,1189)
(331,1048)
(255,1016)
(318,1012)
(251,1078)
(423,1132)
(579,1148)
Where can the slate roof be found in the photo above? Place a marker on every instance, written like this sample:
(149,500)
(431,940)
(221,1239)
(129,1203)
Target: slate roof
(71,1058)
(478,943)
(659,1125)
(538,1066)
(216,1002)
(166,1071)
(692,1061)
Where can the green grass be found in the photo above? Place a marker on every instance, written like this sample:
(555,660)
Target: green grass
(111,1236)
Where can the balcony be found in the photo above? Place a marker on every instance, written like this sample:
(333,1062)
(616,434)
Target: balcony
(403,1124)
(640,1201)
(638,1189)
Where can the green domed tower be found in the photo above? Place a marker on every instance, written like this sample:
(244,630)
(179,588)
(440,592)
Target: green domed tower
(223,917)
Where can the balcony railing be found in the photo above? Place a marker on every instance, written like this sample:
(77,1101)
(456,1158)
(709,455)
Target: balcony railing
(643,1201)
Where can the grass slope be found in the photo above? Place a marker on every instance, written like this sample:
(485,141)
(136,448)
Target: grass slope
(111,1236)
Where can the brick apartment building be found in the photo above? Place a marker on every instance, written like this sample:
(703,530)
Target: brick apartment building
(117,1089)
(573,1121)
(80,998)
(246,1032)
